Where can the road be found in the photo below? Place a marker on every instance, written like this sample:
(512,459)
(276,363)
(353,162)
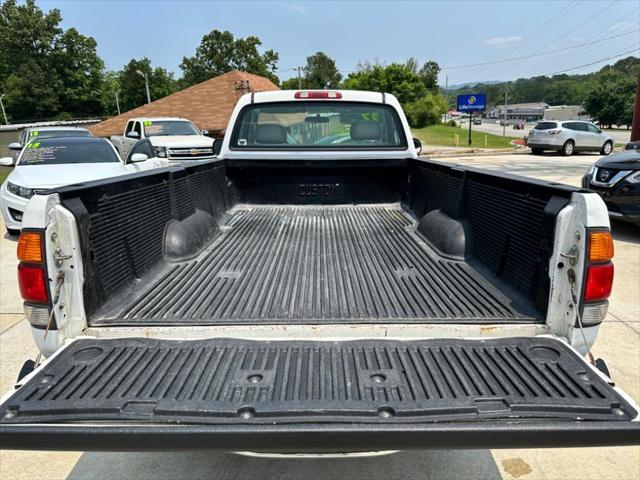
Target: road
(490,126)
(618,343)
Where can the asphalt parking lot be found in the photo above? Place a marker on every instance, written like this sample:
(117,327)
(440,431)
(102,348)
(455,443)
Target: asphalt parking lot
(618,343)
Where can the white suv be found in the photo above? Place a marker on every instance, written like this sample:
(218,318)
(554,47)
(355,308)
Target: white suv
(569,137)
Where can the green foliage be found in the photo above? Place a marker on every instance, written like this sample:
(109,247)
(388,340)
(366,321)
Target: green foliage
(412,87)
(293,84)
(45,71)
(610,99)
(132,88)
(321,72)
(607,94)
(427,110)
(396,78)
(219,52)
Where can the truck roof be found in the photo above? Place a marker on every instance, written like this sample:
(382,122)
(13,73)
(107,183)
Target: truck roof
(347,95)
(58,128)
(145,119)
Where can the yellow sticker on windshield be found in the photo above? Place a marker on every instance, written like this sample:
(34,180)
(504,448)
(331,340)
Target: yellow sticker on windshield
(34,133)
(147,123)
(34,145)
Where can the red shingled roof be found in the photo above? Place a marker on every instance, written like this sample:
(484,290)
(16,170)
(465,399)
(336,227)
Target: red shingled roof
(208,104)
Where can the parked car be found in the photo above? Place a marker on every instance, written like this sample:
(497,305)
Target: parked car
(172,138)
(569,137)
(47,163)
(31,133)
(477,120)
(310,297)
(617,179)
(632,145)
(518,126)
(504,123)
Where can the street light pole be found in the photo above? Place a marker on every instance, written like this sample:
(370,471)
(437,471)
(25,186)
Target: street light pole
(4,114)
(504,121)
(146,83)
(117,102)
(299,78)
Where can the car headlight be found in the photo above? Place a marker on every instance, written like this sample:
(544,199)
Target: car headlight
(161,152)
(634,177)
(20,191)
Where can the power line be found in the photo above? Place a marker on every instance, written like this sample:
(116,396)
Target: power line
(617,55)
(524,57)
(537,31)
(565,58)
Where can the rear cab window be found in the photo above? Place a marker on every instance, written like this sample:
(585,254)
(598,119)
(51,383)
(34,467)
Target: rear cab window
(545,126)
(319,125)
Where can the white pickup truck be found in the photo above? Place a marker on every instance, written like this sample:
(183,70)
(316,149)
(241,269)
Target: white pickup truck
(172,138)
(318,287)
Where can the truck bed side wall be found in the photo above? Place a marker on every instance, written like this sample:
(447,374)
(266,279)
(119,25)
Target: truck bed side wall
(511,223)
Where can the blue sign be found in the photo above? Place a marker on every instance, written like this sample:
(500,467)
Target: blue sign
(476,102)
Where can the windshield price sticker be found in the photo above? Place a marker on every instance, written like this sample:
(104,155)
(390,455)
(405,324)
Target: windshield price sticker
(147,123)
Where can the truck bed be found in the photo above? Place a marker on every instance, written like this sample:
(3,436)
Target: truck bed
(314,264)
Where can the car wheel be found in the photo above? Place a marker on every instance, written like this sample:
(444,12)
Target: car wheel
(568,148)
(13,232)
(607,148)
(536,151)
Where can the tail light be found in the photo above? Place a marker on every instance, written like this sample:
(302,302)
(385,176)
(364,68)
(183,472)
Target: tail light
(32,280)
(318,95)
(599,282)
(32,272)
(598,276)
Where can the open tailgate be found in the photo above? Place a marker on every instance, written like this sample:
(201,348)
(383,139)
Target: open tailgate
(146,394)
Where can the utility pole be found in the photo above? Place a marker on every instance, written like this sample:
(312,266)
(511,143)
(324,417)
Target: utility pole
(635,123)
(4,114)
(299,78)
(446,92)
(117,102)
(146,83)
(504,121)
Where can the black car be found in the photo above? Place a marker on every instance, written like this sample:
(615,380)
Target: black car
(617,179)
(633,145)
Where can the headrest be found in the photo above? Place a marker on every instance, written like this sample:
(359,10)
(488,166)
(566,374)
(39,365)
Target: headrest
(366,130)
(271,133)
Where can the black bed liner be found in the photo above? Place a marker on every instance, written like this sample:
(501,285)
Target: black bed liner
(223,387)
(315,264)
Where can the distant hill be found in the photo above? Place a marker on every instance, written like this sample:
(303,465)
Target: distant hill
(457,86)
(556,90)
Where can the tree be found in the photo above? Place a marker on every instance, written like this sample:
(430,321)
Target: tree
(80,70)
(219,52)
(132,86)
(321,72)
(27,38)
(396,78)
(429,75)
(45,71)
(427,110)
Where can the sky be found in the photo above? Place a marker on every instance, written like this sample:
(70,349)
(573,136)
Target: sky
(534,37)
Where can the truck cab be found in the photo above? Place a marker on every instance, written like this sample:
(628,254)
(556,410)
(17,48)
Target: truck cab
(173,138)
(317,287)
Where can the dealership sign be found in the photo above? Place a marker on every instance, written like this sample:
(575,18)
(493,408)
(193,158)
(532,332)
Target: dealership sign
(476,102)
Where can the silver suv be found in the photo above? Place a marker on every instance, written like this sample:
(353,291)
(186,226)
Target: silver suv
(569,137)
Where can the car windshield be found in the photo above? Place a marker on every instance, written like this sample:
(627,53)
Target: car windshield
(42,134)
(545,126)
(157,128)
(320,125)
(58,151)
